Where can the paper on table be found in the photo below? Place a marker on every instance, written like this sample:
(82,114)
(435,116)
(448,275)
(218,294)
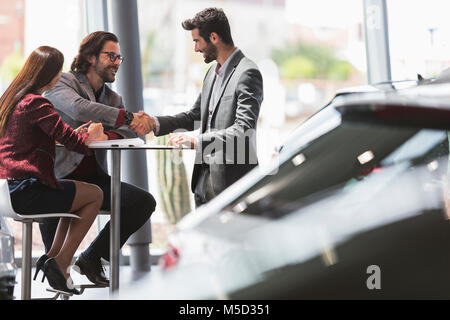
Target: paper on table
(118,143)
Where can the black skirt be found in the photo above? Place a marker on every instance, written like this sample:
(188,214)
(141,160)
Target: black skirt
(30,196)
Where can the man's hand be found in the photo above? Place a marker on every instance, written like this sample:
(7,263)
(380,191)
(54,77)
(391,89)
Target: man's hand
(96,133)
(182,140)
(142,123)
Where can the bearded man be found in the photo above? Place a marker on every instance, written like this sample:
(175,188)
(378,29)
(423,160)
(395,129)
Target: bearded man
(82,95)
(226,110)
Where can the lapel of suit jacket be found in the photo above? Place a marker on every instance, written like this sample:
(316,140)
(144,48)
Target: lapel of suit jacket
(86,85)
(207,90)
(228,73)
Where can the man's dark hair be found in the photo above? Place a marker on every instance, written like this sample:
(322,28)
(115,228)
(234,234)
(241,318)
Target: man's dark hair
(210,20)
(91,45)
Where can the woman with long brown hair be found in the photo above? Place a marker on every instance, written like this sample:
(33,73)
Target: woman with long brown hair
(29,128)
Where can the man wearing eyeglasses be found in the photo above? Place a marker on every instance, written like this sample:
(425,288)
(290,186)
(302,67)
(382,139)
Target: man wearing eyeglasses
(81,96)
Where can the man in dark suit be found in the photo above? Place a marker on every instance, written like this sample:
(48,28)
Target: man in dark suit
(227,109)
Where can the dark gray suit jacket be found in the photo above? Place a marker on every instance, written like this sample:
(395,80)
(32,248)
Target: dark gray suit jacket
(74,99)
(229,148)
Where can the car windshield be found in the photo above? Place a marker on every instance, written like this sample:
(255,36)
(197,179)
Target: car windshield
(319,124)
(343,156)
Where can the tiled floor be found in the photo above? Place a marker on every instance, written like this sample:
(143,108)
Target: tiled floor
(38,289)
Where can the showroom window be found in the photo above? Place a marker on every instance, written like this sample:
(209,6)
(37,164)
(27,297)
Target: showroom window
(419,34)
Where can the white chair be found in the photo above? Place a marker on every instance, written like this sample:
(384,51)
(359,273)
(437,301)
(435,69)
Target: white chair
(6,210)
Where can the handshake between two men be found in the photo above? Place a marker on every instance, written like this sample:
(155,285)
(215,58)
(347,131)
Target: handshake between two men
(142,124)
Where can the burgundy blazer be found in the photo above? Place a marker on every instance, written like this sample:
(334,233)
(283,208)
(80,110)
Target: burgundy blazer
(27,147)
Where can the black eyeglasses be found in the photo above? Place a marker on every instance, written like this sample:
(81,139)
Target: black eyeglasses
(113,57)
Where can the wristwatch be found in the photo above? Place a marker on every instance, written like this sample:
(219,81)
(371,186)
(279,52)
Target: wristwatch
(129,116)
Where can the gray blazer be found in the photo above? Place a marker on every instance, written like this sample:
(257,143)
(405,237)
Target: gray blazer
(229,148)
(74,99)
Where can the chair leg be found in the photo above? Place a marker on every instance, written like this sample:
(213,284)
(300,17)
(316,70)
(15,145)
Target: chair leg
(27,233)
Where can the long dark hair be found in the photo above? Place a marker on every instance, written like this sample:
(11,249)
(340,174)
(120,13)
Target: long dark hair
(91,45)
(41,67)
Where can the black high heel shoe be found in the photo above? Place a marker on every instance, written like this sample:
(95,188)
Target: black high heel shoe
(40,266)
(56,278)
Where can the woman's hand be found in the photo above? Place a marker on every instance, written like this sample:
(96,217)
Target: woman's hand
(96,133)
(83,129)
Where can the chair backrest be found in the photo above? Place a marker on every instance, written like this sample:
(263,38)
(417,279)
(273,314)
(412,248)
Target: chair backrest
(6,208)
